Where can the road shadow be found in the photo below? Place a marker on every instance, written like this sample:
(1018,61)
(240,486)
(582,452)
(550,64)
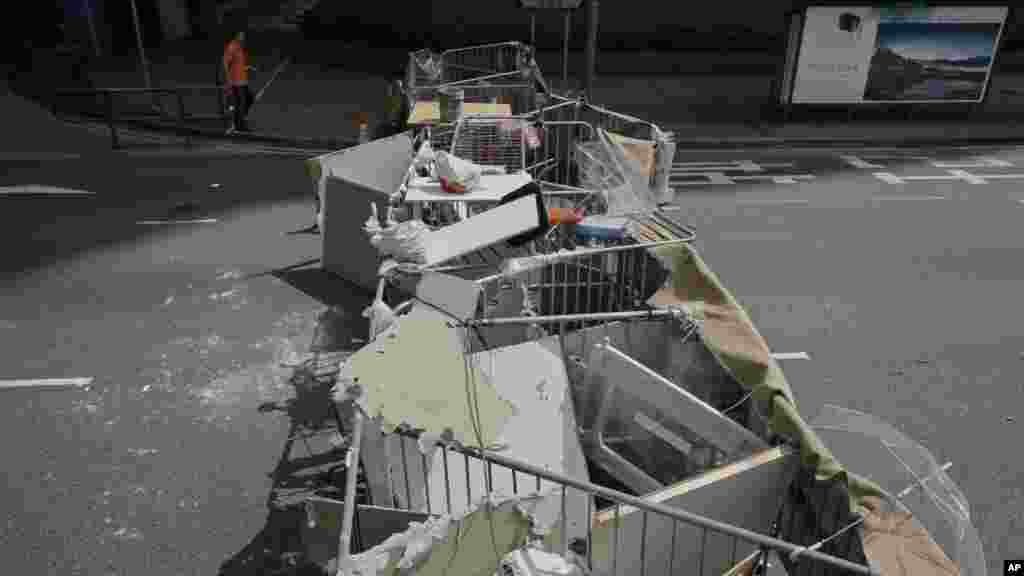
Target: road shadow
(311,462)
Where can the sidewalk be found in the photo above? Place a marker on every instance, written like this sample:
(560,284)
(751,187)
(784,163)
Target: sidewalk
(312,100)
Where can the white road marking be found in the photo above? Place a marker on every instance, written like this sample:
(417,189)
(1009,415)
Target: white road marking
(968,177)
(160,222)
(46,383)
(777,178)
(727,166)
(961,175)
(38,157)
(981,177)
(791,356)
(982,162)
(770,202)
(720,178)
(36,189)
(716,178)
(861,161)
(879,198)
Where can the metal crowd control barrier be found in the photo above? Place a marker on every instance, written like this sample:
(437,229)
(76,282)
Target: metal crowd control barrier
(114,106)
(740,542)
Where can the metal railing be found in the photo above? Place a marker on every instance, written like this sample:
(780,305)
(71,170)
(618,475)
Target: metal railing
(140,106)
(740,541)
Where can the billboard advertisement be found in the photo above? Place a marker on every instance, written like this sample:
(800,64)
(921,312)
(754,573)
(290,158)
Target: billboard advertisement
(861,55)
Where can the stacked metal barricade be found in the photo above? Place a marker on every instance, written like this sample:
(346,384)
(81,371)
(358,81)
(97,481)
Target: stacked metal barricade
(594,298)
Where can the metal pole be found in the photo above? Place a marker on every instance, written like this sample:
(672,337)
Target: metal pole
(142,51)
(533,29)
(592,10)
(565,51)
(351,477)
(92,27)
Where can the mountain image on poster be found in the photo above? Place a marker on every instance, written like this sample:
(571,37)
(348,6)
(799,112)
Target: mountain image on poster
(938,61)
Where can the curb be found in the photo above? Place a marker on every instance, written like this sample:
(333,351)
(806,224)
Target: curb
(696,143)
(313,144)
(770,142)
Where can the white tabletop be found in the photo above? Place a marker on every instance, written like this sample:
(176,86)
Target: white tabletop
(492,188)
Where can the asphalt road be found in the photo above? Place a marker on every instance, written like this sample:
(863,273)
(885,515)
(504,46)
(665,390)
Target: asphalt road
(161,467)
(903,294)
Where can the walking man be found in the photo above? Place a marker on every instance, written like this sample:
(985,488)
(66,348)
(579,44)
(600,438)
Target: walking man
(236,72)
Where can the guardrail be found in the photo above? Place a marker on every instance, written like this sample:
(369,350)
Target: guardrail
(104,106)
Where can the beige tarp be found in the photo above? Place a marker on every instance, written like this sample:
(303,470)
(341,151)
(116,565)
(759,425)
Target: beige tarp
(730,335)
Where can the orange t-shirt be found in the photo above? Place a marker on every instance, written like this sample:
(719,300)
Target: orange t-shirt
(236,64)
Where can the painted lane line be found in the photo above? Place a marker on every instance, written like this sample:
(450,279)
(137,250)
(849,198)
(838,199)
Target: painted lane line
(738,166)
(883,198)
(38,190)
(790,356)
(968,177)
(862,161)
(777,178)
(981,162)
(720,178)
(991,176)
(961,175)
(716,178)
(161,222)
(46,383)
(781,202)
(41,157)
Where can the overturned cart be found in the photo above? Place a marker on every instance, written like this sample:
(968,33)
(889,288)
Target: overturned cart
(549,395)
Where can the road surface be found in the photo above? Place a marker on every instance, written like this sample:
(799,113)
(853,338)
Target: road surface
(900,279)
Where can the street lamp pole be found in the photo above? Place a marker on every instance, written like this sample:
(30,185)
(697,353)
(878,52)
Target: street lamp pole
(142,50)
(91,16)
(591,71)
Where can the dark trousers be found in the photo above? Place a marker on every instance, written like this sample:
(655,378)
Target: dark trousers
(241,99)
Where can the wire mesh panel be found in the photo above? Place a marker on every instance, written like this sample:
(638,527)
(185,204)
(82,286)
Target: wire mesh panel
(491,142)
(485,60)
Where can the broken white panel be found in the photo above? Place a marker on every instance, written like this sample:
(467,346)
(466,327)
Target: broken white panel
(619,372)
(744,494)
(542,432)
(453,296)
(492,188)
(491,227)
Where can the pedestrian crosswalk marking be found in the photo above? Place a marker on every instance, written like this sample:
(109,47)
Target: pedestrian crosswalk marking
(727,166)
(951,175)
(864,161)
(720,178)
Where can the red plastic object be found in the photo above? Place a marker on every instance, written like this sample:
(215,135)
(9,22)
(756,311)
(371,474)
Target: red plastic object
(563,216)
